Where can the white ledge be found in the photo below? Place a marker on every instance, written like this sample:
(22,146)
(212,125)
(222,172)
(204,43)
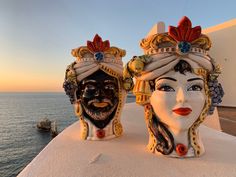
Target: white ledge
(127,156)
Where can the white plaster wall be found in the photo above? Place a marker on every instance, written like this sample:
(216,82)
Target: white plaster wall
(223,50)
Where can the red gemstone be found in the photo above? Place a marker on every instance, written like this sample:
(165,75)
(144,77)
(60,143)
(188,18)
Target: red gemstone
(100,133)
(181,149)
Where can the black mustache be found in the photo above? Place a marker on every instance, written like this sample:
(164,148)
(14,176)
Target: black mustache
(105,100)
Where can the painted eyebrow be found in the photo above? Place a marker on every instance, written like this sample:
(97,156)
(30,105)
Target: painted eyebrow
(89,81)
(109,81)
(169,78)
(193,79)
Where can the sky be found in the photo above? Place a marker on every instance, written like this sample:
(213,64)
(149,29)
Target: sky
(36,36)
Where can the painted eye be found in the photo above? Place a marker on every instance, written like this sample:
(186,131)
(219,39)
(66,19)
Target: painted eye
(166,88)
(195,88)
(90,87)
(109,87)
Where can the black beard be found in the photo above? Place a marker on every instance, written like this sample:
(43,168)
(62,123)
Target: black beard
(100,119)
(99,98)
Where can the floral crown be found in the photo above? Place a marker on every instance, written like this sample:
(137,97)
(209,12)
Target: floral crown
(181,39)
(99,51)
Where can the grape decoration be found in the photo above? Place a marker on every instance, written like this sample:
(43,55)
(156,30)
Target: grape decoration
(216,93)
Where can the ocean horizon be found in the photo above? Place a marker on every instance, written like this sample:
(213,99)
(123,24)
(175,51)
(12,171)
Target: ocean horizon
(20,112)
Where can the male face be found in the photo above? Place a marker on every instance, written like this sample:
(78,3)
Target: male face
(99,97)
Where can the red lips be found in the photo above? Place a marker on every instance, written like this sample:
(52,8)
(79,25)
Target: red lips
(182,111)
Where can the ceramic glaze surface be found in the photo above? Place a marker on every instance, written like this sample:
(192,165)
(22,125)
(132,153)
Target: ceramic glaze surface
(95,87)
(176,82)
(99,97)
(178,99)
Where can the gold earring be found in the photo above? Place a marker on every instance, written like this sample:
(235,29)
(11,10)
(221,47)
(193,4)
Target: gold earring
(78,109)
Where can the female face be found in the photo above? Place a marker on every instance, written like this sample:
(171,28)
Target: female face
(178,99)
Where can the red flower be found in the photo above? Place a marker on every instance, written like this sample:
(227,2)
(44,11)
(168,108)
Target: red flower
(181,149)
(184,31)
(98,45)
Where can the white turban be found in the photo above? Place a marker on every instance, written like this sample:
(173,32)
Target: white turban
(85,68)
(86,63)
(164,62)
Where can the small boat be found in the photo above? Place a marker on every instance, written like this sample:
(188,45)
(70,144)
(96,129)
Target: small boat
(44,124)
(53,130)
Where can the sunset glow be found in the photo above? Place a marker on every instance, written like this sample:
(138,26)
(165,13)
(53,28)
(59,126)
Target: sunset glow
(36,37)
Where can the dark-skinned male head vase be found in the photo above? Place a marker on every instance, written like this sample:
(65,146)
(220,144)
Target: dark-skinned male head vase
(176,82)
(94,85)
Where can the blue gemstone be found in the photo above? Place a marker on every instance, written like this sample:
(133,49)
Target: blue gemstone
(99,56)
(184,46)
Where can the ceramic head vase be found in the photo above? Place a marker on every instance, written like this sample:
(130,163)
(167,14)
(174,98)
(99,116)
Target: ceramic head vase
(176,82)
(94,84)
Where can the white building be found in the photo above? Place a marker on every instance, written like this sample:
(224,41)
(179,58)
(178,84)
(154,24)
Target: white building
(223,37)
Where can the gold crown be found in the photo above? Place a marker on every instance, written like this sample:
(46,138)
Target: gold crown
(98,50)
(181,39)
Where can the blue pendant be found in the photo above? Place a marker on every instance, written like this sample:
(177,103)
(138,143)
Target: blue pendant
(99,56)
(184,47)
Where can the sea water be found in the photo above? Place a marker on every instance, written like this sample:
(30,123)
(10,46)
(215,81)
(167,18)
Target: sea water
(20,140)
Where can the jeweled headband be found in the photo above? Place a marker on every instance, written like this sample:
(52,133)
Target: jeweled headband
(181,39)
(163,51)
